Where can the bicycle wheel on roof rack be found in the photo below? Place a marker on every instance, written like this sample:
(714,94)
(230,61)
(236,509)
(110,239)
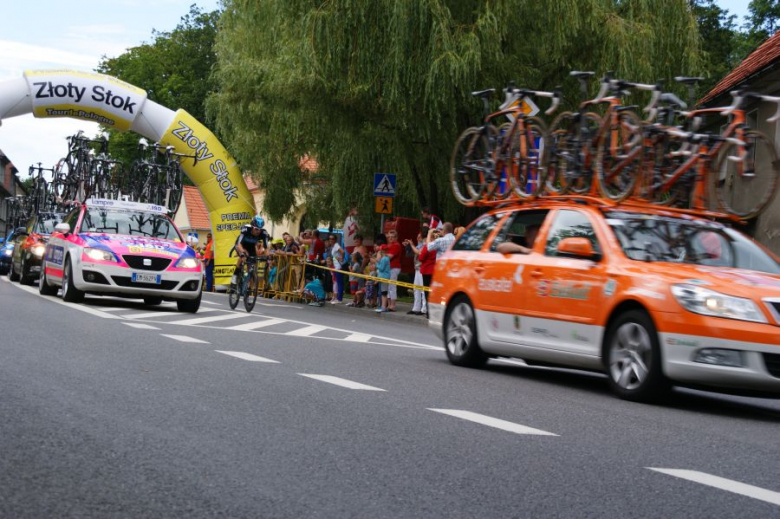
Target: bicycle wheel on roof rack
(745,175)
(527,151)
(619,159)
(470,158)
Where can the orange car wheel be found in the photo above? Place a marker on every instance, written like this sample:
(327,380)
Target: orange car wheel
(460,335)
(634,358)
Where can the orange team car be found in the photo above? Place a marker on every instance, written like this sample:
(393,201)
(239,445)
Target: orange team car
(651,296)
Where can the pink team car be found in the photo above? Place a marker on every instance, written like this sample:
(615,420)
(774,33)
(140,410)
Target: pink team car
(124,249)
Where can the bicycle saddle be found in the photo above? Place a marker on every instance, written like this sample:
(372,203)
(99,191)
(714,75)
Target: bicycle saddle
(581,75)
(483,93)
(688,80)
(671,99)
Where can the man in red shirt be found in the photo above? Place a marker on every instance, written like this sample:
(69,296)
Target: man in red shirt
(395,252)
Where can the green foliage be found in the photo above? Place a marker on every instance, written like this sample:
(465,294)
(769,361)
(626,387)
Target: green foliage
(383,86)
(175,69)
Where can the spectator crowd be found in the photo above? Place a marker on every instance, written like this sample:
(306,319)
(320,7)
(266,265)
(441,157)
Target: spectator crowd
(350,258)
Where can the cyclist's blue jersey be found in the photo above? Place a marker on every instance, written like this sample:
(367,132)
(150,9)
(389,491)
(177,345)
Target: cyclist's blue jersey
(249,241)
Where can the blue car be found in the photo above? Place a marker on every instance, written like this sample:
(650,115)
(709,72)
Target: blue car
(7,251)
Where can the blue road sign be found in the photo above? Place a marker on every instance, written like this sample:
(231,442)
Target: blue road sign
(384,184)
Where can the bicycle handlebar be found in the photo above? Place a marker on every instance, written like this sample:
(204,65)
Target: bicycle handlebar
(555,95)
(741,96)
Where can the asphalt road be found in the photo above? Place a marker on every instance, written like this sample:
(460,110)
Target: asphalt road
(114,409)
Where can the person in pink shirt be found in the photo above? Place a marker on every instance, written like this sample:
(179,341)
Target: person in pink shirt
(395,252)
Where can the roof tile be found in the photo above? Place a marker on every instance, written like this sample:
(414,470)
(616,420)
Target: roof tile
(197,213)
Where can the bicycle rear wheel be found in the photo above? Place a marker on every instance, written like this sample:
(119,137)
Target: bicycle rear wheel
(526,150)
(570,153)
(470,159)
(619,160)
(745,176)
(251,289)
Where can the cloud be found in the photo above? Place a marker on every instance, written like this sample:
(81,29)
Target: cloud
(15,51)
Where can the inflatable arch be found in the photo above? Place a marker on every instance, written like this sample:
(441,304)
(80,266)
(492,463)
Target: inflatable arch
(116,104)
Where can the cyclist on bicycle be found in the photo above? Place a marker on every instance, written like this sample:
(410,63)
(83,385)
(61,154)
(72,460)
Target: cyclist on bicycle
(252,241)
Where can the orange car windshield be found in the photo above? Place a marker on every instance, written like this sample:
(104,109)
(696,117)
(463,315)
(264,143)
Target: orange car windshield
(646,237)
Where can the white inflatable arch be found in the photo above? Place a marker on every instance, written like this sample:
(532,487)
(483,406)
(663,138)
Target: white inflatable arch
(116,104)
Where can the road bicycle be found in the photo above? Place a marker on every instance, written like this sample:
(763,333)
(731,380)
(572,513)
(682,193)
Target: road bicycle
(739,164)
(583,144)
(494,161)
(245,283)
(73,172)
(156,177)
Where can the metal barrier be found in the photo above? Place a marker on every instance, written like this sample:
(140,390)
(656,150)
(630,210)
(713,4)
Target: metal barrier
(286,280)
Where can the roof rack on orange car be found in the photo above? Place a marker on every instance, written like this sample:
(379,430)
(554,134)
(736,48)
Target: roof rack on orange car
(580,199)
(604,203)
(700,213)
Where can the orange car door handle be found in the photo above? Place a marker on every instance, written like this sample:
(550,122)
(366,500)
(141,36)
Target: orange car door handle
(536,273)
(479,269)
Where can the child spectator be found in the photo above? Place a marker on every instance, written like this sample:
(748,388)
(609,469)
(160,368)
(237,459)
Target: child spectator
(271,272)
(314,292)
(371,284)
(383,272)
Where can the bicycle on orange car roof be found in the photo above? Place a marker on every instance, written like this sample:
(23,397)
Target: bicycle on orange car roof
(654,292)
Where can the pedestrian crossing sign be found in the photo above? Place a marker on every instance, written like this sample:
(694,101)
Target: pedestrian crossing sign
(384,205)
(384,184)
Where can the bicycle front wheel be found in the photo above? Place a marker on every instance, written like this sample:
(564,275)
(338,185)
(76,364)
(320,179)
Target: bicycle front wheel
(236,288)
(470,160)
(251,290)
(745,176)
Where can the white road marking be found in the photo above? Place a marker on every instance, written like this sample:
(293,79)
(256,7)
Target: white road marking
(147,315)
(75,306)
(247,356)
(210,302)
(141,326)
(213,318)
(184,338)
(493,422)
(358,337)
(282,306)
(257,324)
(307,331)
(341,382)
(729,485)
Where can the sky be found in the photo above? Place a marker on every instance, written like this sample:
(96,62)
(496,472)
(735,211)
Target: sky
(76,34)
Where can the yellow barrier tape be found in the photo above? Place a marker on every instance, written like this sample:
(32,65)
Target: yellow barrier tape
(381,280)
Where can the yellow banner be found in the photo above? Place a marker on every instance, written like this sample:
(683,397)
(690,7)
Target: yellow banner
(229,202)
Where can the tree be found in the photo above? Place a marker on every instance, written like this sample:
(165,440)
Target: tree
(175,69)
(763,21)
(383,86)
(720,40)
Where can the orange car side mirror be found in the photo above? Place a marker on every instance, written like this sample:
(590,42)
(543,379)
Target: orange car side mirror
(577,248)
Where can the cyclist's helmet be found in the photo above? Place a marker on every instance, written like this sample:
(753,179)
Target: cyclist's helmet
(258,221)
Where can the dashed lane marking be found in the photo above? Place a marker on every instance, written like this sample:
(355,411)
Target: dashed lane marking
(247,356)
(349,384)
(184,338)
(210,302)
(308,331)
(212,319)
(729,485)
(493,422)
(141,326)
(257,325)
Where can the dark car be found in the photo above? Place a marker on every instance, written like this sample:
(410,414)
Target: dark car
(29,247)
(7,250)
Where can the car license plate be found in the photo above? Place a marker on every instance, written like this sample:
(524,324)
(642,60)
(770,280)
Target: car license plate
(146,278)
